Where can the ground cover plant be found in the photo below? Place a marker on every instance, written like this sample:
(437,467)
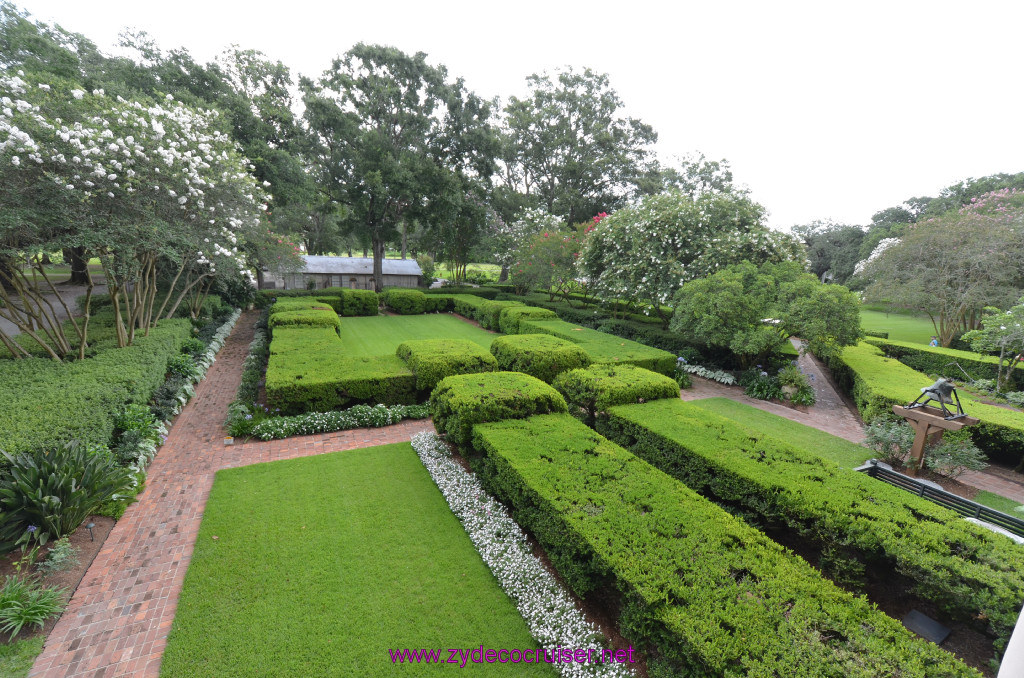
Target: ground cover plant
(877,383)
(758,422)
(708,594)
(972,574)
(316,578)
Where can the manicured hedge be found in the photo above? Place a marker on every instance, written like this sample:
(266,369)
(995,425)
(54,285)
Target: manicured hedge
(968,571)
(354,302)
(539,355)
(877,383)
(467,305)
(404,301)
(289,304)
(305,317)
(598,387)
(481,292)
(309,371)
(508,319)
(489,313)
(936,360)
(46,402)
(431,360)
(704,593)
(461,401)
(605,348)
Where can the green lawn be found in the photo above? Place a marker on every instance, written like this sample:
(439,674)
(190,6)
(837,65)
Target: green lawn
(317,566)
(913,328)
(16,658)
(381,335)
(999,503)
(839,450)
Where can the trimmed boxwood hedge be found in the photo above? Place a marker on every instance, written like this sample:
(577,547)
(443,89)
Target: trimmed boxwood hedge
(598,387)
(47,402)
(467,305)
(309,371)
(431,360)
(968,571)
(461,401)
(604,348)
(305,317)
(539,355)
(705,594)
(508,319)
(354,302)
(405,301)
(877,383)
(936,360)
(489,313)
(480,292)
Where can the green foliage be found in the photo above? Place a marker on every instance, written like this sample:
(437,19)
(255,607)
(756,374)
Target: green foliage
(183,366)
(510,316)
(427,268)
(598,387)
(833,249)
(539,355)
(891,439)
(943,361)
(966,570)
(45,402)
(54,490)
(431,360)
(193,347)
(711,595)
(308,370)
(305,318)
(762,386)
(357,416)
(359,302)
(1002,332)
(488,293)
(16,658)
(62,556)
(952,457)
(404,301)
(488,313)
(26,603)
(876,383)
(604,348)
(460,402)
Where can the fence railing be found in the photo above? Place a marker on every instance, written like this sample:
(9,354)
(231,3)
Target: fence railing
(964,507)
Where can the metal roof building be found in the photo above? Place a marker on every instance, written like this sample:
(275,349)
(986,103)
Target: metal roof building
(352,272)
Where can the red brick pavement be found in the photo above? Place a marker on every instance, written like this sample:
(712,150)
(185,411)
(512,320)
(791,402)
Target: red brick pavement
(118,619)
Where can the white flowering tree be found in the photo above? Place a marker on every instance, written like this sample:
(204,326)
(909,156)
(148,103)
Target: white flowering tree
(644,253)
(508,237)
(151,188)
(1002,331)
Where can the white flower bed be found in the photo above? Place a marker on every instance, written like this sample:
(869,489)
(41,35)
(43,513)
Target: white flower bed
(549,612)
(357,416)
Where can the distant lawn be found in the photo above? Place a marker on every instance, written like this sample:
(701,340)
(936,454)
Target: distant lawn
(913,328)
(999,503)
(381,335)
(317,566)
(839,450)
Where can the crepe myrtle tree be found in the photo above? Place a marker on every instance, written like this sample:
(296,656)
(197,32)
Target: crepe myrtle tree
(645,252)
(506,238)
(143,185)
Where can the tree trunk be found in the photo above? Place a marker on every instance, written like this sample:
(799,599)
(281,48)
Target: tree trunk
(76,257)
(45,261)
(378,264)
(503,276)
(405,239)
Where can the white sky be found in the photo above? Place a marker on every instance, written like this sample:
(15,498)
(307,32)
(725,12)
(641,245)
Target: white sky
(824,109)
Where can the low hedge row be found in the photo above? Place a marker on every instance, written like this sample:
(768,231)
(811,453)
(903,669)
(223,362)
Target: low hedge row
(431,360)
(509,318)
(309,371)
(482,292)
(877,383)
(539,355)
(460,402)
(604,348)
(489,313)
(312,317)
(598,387)
(936,360)
(47,402)
(968,571)
(353,302)
(404,301)
(703,593)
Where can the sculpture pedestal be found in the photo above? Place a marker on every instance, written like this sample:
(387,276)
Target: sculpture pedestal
(929,423)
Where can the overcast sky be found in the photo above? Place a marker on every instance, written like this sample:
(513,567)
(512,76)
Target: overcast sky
(824,109)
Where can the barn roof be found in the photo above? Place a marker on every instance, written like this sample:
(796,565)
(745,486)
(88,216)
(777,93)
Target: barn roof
(354,265)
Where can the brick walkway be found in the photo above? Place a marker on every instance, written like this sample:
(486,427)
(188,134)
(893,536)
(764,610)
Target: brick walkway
(118,620)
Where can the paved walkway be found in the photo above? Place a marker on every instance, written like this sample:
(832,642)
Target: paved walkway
(118,620)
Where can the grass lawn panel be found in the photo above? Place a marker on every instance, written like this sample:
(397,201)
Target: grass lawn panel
(999,503)
(913,328)
(381,335)
(295,573)
(16,658)
(602,347)
(755,421)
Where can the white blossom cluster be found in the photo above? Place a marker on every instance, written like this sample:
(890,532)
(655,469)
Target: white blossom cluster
(357,416)
(882,246)
(512,236)
(118,157)
(549,612)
